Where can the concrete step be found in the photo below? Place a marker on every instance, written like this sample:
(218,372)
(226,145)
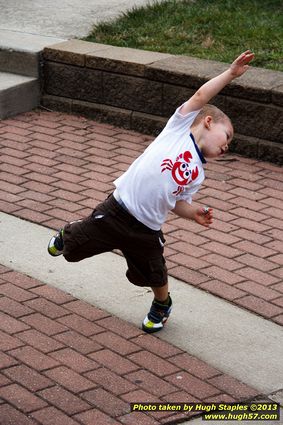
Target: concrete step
(20,53)
(20,65)
(18,94)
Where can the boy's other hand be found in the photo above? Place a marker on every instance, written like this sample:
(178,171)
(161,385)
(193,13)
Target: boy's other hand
(240,65)
(204,216)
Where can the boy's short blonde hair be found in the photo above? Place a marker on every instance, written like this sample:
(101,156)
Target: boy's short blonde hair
(214,112)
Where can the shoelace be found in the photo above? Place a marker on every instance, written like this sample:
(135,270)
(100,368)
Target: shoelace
(157,314)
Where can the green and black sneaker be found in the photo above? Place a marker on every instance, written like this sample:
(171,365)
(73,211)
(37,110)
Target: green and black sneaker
(56,244)
(157,316)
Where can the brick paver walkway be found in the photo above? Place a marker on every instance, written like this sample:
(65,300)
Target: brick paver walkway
(63,361)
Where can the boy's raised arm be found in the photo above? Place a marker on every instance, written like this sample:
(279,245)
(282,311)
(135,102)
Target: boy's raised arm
(212,87)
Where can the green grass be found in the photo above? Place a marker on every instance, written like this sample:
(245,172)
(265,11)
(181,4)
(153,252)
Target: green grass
(210,29)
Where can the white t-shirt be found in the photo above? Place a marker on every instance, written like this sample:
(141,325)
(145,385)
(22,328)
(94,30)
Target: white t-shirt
(169,170)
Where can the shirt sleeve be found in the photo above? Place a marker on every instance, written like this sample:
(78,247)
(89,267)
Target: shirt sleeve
(179,122)
(187,194)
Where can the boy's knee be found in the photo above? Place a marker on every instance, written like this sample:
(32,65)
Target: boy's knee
(136,278)
(71,258)
(154,274)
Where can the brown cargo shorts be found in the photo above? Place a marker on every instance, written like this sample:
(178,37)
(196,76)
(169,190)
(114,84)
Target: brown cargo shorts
(110,227)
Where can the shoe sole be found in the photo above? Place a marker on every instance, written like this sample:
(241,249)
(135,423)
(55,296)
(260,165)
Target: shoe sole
(154,330)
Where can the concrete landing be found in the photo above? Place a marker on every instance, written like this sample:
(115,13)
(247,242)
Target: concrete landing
(20,52)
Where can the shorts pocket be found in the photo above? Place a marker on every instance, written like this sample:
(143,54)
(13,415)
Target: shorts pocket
(98,216)
(158,271)
(161,239)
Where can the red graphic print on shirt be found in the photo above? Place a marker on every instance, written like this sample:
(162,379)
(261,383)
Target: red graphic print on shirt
(181,170)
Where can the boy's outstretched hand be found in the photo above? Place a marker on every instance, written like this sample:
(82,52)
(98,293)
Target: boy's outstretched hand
(204,216)
(241,64)
(212,87)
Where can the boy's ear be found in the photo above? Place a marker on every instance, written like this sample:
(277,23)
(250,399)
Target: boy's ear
(207,121)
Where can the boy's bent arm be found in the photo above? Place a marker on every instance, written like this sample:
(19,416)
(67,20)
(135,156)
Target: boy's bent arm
(203,216)
(212,87)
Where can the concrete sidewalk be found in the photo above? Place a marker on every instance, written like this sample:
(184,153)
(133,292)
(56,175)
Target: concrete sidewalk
(66,19)
(65,361)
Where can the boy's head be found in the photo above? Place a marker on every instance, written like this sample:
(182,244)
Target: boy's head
(213,131)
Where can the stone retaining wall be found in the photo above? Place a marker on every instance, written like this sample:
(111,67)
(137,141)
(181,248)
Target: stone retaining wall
(139,90)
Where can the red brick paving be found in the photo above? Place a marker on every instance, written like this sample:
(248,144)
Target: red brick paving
(50,374)
(64,361)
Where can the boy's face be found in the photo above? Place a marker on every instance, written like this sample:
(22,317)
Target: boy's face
(218,136)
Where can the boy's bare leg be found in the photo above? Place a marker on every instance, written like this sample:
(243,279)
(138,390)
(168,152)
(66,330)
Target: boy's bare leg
(160,292)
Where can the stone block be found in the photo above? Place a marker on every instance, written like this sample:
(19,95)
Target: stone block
(257,85)
(73,82)
(245,146)
(123,60)
(72,51)
(56,103)
(257,148)
(255,119)
(137,94)
(270,152)
(277,95)
(100,112)
(193,72)
(174,96)
(184,71)
(147,124)
(220,102)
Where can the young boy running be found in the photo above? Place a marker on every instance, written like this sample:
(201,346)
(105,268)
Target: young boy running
(162,179)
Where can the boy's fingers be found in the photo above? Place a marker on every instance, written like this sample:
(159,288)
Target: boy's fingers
(207,212)
(247,56)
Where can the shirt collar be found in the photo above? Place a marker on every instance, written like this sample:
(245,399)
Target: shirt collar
(202,158)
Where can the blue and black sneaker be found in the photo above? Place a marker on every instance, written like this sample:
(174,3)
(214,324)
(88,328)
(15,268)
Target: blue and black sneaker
(56,244)
(157,316)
